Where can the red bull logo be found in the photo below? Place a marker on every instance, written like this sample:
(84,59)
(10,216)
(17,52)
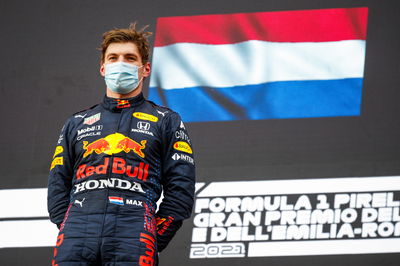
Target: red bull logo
(149,219)
(118,166)
(128,145)
(112,144)
(122,103)
(147,259)
(163,224)
(60,240)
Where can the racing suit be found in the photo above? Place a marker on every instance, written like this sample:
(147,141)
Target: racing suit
(109,168)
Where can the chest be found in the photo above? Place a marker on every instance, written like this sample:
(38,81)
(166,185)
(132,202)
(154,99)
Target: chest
(129,132)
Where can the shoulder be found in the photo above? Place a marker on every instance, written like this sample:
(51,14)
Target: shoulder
(159,109)
(83,113)
(168,119)
(163,113)
(82,116)
(163,110)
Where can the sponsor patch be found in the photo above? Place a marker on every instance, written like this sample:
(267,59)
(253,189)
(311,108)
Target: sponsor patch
(60,240)
(89,131)
(149,219)
(183,157)
(116,200)
(92,119)
(108,183)
(79,202)
(118,166)
(142,131)
(60,138)
(162,113)
(134,202)
(80,116)
(180,134)
(143,127)
(112,144)
(59,149)
(183,146)
(122,103)
(56,161)
(163,224)
(147,259)
(144,116)
(89,134)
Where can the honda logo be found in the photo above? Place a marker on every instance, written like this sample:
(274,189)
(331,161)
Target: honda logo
(143,125)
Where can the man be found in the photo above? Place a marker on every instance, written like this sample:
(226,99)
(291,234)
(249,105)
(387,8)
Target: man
(111,163)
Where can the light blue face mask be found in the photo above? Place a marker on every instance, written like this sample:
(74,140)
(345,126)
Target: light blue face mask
(122,77)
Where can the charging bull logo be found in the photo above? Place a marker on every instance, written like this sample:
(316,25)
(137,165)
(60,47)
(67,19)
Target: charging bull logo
(112,144)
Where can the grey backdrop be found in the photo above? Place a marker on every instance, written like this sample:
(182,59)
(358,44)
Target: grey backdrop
(49,70)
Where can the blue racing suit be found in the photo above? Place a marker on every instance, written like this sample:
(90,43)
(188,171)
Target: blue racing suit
(109,168)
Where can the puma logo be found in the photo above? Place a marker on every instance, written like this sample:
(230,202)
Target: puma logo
(82,116)
(162,113)
(79,202)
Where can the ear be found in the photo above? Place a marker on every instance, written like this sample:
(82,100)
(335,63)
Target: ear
(146,70)
(102,70)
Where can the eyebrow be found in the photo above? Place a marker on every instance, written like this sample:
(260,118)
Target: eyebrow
(135,55)
(128,54)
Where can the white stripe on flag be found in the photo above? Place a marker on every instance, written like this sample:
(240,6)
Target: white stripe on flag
(186,65)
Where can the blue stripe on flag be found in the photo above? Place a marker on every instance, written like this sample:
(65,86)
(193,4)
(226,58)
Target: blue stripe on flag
(273,100)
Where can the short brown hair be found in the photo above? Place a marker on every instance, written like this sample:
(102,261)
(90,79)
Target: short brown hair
(138,37)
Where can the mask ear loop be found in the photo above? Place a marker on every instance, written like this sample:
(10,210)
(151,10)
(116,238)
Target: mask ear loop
(138,84)
(142,75)
(140,79)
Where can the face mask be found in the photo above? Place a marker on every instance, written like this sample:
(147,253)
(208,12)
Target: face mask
(122,77)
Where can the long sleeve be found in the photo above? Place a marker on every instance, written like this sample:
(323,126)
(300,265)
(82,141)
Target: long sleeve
(60,178)
(178,180)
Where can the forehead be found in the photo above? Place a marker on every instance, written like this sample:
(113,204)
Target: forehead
(122,48)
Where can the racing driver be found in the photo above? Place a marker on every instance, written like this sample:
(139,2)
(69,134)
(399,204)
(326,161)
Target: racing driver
(112,162)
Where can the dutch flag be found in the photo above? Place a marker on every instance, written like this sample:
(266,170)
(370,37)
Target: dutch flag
(116,200)
(285,64)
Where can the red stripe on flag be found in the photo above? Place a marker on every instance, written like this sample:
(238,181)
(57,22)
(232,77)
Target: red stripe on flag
(281,26)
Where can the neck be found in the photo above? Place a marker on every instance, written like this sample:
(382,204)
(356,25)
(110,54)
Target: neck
(115,95)
(119,104)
